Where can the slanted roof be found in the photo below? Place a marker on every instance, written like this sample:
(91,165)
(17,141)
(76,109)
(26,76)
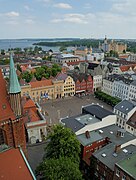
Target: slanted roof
(133,83)
(13,165)
(5,109)
(36,84)
(13,80)
(72,123)
(61,76)
(96,111)
(29,104)
(132,120)
(92,66)
(125,106)
(129,165)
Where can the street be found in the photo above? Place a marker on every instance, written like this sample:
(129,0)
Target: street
(71,106)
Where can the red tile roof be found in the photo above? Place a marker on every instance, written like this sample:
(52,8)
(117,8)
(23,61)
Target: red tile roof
(29,104)
(30,111)
(74,63)
(32,116)
(13,166)
(5,108)
(127,67)
(36,84)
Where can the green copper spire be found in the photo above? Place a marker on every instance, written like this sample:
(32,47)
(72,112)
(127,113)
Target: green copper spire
(14,86)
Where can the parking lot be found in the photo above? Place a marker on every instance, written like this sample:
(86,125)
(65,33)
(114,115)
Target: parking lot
(60,108)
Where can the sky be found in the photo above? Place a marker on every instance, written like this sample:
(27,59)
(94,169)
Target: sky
(69,18)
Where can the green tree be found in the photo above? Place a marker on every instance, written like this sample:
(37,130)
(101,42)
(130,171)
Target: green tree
(63,143)
(40,72)
(2,52)
(27,76)
(56,66)
(62,48)
(54,72)
(19,68)
(59,169)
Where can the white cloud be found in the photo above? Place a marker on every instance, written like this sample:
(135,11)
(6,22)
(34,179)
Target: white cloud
(87,6)
(124,6)
(11,22)
(63,6)
(74,18)
(12,14)
(27,7)
(30,21)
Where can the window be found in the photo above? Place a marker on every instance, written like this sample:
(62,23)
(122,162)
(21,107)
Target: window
(117,172)
(123,177)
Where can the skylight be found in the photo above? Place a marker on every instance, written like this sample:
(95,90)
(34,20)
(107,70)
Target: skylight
(103,155)
(125,150)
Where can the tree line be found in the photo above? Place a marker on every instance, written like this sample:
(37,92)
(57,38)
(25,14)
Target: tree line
(107,98)
(80,42)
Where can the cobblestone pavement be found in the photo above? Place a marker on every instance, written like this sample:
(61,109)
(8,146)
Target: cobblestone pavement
(60,108)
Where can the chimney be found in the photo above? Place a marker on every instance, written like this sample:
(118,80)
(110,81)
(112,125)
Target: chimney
(87,134)
(117,148)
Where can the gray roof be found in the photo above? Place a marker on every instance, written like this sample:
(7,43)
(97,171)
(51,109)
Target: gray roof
(78,122)
(125,106)
(133,83)
(96,110)
(72,123)
(111,157)
(111,133)
(94,136)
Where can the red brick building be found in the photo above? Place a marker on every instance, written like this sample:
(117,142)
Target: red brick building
(83,83)
(12,131)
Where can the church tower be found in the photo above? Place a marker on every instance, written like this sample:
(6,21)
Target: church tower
(14,90)
(12,128)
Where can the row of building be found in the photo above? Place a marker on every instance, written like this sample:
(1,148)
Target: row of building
(108,146)
(121,86)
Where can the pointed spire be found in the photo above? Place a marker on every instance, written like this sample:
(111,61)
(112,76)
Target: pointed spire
(14,86)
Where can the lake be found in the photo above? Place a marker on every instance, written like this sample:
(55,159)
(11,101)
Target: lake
(22,43)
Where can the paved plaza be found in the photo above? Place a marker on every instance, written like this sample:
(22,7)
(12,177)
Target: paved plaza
(60,108)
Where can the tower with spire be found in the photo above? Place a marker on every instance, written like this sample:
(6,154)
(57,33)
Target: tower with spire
(12,128)
(14,89)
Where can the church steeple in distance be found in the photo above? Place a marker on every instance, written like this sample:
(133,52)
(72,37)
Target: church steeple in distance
(14,89)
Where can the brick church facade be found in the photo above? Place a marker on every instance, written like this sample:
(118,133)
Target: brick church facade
(12,129)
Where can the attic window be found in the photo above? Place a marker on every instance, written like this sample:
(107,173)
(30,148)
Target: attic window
(127,109)
(111,132)
(122,106)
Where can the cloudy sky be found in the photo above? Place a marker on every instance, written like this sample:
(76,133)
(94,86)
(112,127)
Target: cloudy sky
(69,18)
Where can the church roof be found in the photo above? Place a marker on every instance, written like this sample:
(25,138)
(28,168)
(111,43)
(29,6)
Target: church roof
(5,108)
(13,165)
(14,84)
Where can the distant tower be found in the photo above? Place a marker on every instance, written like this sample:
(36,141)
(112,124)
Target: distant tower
(105,40)
(14,90)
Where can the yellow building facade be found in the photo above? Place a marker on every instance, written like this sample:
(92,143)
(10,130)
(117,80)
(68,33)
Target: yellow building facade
(49,89)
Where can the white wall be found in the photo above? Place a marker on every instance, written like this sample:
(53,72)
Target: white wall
(109,120)
(128,143)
